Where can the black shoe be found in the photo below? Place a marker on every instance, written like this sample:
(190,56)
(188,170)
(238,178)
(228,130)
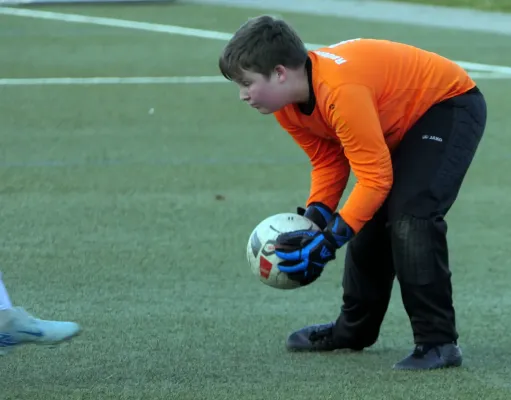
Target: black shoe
(315,338)
(431,356)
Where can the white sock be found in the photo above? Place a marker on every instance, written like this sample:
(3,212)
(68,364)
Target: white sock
(5,302)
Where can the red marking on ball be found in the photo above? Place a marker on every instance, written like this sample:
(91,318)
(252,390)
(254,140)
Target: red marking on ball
(264,267)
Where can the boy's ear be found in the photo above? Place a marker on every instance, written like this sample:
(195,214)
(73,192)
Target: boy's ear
(281,73)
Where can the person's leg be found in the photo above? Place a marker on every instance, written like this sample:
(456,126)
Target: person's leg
(367,286)
(17,327)
(429,168)
(5,301)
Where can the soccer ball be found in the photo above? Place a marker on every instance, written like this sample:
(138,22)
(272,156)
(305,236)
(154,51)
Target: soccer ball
(261,248)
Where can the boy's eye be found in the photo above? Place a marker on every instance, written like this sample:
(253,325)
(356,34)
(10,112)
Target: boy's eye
(245,83)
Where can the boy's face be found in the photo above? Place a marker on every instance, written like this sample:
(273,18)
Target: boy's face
(266,95)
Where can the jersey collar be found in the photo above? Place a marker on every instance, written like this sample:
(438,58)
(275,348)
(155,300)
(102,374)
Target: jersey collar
(308,107)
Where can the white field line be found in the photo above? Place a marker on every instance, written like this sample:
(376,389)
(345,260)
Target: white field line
(489,75)
(179,30)
(157,80)
(112,80)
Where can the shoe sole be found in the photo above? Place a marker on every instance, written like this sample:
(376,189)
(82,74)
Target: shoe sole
(455,364)
(50,345)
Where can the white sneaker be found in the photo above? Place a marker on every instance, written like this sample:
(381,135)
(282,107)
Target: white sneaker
(17,327)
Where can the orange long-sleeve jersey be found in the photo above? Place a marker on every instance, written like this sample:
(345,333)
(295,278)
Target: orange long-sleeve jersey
(368,94)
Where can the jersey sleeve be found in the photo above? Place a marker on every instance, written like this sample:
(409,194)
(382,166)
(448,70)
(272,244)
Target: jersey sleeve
(352,112)
(330,167)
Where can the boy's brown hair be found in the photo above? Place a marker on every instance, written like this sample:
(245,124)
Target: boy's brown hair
(259,45)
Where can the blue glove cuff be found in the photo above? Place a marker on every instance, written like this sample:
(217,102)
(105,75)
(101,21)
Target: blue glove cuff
(338,230)
(318,213)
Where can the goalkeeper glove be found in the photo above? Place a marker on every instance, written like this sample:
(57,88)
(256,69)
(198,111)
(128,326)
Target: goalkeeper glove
(306,252)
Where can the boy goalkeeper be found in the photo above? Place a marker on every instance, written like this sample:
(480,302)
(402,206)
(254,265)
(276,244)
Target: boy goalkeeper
(407,123)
